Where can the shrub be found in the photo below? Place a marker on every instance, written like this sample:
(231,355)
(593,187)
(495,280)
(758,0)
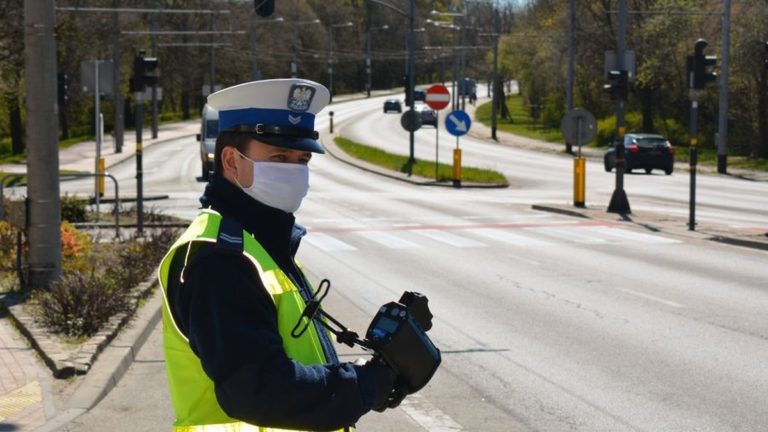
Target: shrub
(670,128)
(7,246)
(76,249)
(72,209)
(80,304)
(98,280)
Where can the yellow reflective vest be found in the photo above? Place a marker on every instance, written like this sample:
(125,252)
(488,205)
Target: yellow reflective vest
(192,391)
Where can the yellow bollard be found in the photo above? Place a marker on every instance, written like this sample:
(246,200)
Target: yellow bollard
(579,181)
(456,167)
(101,178)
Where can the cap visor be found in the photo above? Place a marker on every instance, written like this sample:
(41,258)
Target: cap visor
(305,144)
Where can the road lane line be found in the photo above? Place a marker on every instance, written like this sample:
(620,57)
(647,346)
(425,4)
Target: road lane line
(427,415)
(568,234)
(449,238)
(507,237)
(631,235)
(388,240)
(654,298)
(327,243)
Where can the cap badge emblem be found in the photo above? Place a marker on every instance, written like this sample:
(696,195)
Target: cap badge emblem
(300,97)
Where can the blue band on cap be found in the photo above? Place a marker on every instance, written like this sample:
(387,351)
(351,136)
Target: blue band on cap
(275,117)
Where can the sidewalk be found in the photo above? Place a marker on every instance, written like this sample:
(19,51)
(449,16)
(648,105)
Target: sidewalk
(82,156)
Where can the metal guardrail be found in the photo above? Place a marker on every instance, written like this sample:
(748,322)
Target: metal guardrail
(114,180)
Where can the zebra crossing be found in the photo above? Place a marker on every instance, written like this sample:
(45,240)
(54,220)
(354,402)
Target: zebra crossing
(477,236)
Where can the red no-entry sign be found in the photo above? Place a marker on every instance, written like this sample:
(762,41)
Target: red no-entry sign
(437,97)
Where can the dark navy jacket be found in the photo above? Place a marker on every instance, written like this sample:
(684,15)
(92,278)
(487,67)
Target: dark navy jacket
(231,322)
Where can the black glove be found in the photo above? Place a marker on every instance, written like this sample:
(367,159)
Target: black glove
(384,378)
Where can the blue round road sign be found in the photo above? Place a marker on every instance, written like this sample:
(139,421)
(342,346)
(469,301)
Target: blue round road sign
(457,123)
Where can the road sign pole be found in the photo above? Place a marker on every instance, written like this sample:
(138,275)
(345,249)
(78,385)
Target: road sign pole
(437,145)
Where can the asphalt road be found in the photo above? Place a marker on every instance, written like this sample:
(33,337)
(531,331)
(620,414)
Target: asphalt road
(545,322)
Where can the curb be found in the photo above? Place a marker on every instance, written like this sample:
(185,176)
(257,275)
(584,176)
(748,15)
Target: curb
(117,356)
(326,139)
(719,238)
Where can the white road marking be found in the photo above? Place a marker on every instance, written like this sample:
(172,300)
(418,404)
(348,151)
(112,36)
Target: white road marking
(568,234)
(327,243)
(427,415)
(448,238)
(654,298)
(388,240)
(631,235)
(507,237)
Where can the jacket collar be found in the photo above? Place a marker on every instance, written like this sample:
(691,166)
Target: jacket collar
(275,229)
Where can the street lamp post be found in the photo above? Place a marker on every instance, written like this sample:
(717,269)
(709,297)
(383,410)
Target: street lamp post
(368,85)
(457,70)
(255,74)
(295,47)
(330,54)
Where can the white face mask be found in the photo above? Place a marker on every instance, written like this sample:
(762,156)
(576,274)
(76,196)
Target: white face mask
(278,184)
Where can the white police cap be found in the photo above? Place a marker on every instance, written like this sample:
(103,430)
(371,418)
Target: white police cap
(279,112)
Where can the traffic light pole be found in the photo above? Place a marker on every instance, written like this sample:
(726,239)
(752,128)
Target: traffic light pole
(619,201)
(693,159)
(411,78)
(139,170)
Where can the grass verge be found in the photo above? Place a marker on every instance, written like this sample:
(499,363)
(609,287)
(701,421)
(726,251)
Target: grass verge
(421,168)
(521,122)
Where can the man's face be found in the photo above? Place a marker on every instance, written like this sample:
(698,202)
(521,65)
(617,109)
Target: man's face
(242,169)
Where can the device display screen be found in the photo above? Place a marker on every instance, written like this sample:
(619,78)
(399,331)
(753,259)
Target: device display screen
(387,324)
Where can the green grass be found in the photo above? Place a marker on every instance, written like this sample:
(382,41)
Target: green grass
(709,157)
(421,168)
(21,179)
(521,122)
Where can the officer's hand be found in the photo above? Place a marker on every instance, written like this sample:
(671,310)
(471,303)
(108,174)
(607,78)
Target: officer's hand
(384,378)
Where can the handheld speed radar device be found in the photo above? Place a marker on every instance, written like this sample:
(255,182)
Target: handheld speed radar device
(402,343)
(397,336)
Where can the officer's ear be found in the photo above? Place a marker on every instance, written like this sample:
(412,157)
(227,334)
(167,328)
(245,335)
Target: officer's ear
(229,160)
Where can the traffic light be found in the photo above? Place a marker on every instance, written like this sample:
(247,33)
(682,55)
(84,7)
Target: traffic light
(264,8)
(143,72)
(618,84)
(62,79)
(699,67)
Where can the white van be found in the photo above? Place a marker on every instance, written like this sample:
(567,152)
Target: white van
(209,130)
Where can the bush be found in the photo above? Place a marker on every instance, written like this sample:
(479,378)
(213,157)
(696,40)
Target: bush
(98,280)
(7,246)
(76,249)
(72,209)
(79,305)
(670,128)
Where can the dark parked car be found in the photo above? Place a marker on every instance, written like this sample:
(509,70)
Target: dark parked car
(646,151)
(392,105)
(428,115)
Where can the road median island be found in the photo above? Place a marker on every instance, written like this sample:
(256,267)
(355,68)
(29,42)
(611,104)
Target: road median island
(424,171)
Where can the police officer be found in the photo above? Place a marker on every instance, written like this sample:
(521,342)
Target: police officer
(233,291)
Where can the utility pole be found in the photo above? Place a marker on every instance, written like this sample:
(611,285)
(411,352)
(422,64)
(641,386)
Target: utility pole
(411,73)
(212,55)
(571,49)
(496,94)
(722,119)
(43,206)
(368,49)
(118,95)
(154,86)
